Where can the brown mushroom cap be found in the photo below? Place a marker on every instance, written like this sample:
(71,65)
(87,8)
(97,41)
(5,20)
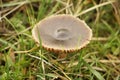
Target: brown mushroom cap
(63,33)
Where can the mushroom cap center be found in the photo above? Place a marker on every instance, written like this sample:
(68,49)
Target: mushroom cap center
(62,34)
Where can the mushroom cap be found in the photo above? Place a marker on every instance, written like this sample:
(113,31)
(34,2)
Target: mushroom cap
(62,33)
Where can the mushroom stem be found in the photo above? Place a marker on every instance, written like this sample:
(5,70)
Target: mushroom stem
(62,55)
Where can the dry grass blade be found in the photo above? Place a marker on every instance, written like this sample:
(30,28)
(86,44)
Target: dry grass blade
(101,61)
(94,7)
(116,6)
(12,10)
(99,39)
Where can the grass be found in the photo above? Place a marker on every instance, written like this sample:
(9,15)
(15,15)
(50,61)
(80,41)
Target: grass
(22,59)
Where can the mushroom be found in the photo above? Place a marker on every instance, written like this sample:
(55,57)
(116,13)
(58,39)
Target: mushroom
(62,33)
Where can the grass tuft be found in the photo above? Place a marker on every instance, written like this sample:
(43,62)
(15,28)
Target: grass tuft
(22,59)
